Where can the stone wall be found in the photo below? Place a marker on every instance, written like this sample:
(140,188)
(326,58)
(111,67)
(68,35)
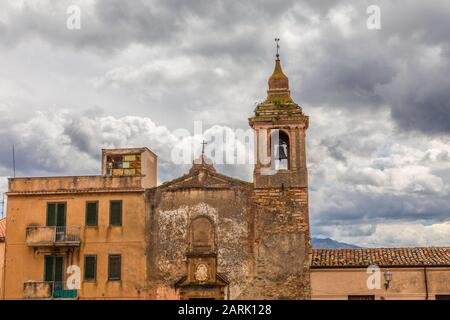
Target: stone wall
(262,239)
(169,219)
(282,244)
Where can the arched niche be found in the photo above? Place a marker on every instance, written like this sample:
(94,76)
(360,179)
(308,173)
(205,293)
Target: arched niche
(201,235)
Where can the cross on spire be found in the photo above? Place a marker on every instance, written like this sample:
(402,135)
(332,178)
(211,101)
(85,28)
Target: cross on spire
(277,40)
(203,147)
(203,150)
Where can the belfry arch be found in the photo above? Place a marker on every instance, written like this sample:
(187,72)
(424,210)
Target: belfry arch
(280,149)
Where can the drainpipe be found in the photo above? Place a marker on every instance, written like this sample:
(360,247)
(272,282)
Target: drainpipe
(426,282)
(3,271)
(3,284)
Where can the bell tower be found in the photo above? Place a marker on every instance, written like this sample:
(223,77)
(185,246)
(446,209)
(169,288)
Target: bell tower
(279,126)
(282,243)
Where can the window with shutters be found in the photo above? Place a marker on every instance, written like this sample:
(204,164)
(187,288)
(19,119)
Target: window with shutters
(53,268)
(90,267)
(114,267)
(115,213)
(56,214)
(91,213)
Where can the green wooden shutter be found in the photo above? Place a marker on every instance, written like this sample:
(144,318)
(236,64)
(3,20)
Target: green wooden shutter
(114,267)
(48,268)
(56,214)
(59,273)
(90,267)
(51,214)
(115,213)
(59,269)
(91,213)
(61,215)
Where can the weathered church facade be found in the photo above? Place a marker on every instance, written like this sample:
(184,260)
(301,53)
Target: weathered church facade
(216,236)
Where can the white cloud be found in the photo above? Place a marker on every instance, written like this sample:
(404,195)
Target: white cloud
(341,17)
(406,234)
(366,174)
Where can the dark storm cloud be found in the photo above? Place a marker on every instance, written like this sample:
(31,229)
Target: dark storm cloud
(421,100)
(344,66)
(108,27)
(356,142)
(112,25)
(118,23)
(346,72)
(429,113)
(428,24)
(372,207)
(391,67)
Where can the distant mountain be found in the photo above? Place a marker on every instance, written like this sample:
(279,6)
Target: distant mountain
(331,244)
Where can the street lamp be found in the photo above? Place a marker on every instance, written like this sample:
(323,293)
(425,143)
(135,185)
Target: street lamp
(387,279)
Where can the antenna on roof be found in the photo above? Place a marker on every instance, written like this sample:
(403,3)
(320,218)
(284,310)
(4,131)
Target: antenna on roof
(14,161)
(277,40)
(3,205)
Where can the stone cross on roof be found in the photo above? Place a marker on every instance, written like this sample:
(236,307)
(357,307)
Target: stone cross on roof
(203,147)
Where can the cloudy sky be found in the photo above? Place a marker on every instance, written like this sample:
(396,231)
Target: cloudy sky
(136,71)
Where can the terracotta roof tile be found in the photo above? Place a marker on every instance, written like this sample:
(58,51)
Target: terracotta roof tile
(2,229)
(389,257)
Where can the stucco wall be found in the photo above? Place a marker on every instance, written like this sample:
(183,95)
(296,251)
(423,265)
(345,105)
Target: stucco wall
(407,283)
(25,263)
(167,236)
(73,184)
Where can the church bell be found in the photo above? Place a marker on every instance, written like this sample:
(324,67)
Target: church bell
(282,152)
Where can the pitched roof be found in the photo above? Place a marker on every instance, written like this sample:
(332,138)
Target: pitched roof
(2,229)
(383,257)
(205,176)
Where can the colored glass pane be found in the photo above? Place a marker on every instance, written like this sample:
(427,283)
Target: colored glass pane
(130,157)
(117,172)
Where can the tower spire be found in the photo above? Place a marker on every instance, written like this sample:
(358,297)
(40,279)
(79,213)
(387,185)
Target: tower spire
(278,81)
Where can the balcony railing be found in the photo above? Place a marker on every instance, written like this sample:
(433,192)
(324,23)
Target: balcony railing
(61,292)
(48,290)
(37,290)
(39,236)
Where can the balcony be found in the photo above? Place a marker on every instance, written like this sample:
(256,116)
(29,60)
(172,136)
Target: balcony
(47,290)
(39,236)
